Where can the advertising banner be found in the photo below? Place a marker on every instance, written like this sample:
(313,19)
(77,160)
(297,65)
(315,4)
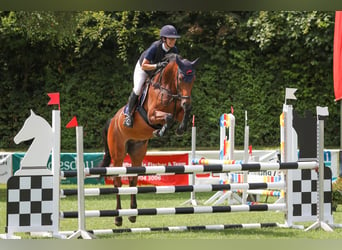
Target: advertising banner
(158,180)
(68,162)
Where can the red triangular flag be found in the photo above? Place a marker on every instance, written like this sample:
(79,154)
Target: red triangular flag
(72,123)
(54,99)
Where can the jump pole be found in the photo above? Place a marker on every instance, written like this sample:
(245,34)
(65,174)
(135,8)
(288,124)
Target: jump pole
(192,177)
(55,158)
(245,157)
(179,228)
(81,232)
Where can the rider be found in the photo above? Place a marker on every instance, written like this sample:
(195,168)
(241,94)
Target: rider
(150,61)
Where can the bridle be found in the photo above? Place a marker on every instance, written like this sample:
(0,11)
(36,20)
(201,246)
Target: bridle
(173,97)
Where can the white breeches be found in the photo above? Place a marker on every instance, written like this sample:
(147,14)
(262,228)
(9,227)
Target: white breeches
(139,78)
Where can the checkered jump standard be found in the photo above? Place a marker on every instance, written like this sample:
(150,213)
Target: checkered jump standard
(29,203)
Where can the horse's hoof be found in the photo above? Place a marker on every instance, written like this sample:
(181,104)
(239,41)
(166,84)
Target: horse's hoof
(156,133)
(132,219)
(179,132)
(118,221)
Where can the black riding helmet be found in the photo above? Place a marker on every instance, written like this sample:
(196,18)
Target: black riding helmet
(169,31)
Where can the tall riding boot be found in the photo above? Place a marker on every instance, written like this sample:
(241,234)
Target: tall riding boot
(131,105)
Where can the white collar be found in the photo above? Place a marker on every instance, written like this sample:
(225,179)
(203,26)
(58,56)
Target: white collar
(164,48)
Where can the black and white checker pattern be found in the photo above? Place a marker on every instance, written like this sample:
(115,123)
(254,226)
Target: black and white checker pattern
(305,191)
(29,202)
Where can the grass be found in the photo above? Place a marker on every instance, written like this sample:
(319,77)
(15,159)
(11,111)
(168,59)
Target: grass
(176,200)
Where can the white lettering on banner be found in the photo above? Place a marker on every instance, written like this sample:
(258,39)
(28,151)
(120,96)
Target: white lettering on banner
(149,164)
(71,165)
(89,164)
(327,158)
(145,178)
(154,178)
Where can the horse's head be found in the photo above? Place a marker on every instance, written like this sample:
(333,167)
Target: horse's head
(177,80)
(186,78)
(185,81)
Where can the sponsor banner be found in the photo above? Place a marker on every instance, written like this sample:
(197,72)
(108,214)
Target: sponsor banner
(5,167)
(68,162)
(331,160)
(158,180)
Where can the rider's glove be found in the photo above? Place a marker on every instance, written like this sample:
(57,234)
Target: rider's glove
(161,65)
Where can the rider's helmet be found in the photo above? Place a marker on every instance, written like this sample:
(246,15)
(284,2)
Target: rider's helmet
(169,31)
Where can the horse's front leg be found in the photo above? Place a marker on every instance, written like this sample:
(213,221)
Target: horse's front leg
(184,123)
(133,181)
(117,183)
(160,117)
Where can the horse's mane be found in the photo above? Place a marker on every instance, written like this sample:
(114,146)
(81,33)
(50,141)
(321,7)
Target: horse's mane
(171,57)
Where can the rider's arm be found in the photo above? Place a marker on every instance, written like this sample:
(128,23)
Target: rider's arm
(145,65)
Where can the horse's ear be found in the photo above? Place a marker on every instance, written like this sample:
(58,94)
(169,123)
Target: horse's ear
(194,63)
(32,113)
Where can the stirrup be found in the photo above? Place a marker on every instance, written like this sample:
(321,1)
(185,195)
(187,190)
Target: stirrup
(128,122)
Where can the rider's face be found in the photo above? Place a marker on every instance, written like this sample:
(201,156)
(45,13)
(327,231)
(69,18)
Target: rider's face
(170,42)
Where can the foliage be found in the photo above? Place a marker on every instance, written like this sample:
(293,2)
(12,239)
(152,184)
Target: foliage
(247,59)
(337,193)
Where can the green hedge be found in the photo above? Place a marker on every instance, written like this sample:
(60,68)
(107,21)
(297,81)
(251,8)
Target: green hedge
(247,59)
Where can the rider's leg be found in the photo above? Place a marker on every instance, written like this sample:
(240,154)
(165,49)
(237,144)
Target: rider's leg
(139,79)
(128,122)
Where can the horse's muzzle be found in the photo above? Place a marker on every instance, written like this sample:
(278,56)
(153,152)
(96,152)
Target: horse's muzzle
(186,104)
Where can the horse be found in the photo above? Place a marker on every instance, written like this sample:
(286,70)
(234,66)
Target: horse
(167,100)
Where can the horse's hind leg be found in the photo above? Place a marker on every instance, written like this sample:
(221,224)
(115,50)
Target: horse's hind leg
(117,183)
(137,151)
(116,148)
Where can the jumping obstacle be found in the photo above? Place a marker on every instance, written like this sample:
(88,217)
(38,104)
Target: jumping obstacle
(178,228)
(186,169)
(174,189)
(227,121)
(175,210)
(33,193)
(181,210)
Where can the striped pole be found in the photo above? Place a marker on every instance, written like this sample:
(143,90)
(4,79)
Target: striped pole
(177,210)
(179,228)
(186,169)
(176,189)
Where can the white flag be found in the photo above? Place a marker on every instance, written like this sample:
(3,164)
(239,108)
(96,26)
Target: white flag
(289,94)
(322,111)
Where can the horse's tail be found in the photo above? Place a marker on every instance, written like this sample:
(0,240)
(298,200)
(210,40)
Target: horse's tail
(106,158)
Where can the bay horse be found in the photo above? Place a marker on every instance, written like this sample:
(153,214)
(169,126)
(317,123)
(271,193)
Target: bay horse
(167,100)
